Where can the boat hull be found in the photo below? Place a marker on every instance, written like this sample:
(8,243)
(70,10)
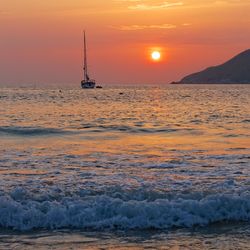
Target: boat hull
(87,84)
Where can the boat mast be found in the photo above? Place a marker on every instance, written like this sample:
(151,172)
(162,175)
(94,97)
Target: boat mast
(86,78)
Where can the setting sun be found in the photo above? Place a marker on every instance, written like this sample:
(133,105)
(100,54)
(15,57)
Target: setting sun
(156,55)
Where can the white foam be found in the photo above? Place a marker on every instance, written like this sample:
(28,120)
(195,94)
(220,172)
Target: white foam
(103,212)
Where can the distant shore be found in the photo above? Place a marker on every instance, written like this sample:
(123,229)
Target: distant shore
(224,83)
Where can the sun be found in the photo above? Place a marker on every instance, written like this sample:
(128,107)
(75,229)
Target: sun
(156,55)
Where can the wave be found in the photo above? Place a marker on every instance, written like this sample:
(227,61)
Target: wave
(104,212)
(41,131)
(31,131)
(133,129)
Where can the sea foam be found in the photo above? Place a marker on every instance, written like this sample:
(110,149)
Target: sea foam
(103,212)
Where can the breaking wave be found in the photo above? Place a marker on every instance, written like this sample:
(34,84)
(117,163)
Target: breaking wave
(103,212)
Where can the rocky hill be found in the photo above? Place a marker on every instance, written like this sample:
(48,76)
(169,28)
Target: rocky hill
(236,70)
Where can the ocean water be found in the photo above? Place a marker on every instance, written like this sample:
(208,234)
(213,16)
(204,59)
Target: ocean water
(127,167)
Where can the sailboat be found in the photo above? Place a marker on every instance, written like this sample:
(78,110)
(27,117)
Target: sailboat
(86,83)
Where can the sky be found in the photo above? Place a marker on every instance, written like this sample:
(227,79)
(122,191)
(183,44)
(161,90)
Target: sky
(41,41)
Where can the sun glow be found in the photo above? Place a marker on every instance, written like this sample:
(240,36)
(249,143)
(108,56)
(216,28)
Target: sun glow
(156,55)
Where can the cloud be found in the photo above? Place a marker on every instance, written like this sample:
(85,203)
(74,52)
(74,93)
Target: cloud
(125,1)
(143,27)
(152,7)
(228,2)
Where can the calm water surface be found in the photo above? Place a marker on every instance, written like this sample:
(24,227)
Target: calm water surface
(125,167)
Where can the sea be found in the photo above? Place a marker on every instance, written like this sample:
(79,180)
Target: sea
(125,167)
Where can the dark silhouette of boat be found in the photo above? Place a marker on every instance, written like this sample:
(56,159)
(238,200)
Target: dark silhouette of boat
(86,83)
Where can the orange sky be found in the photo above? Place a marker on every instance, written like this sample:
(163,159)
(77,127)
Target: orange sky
(41,40)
